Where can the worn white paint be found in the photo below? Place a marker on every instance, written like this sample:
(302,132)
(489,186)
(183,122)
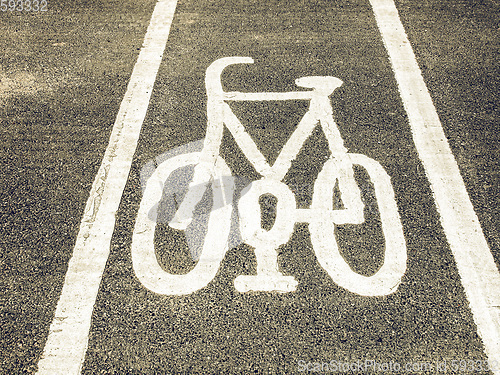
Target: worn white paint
(475,263)
(144,259)
(268,277)
(321,216)
(388,277)
(66,344)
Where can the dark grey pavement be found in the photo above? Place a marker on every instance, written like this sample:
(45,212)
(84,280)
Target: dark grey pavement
(63,75)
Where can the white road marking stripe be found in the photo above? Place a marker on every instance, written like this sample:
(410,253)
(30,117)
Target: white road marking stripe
(66,345)
(477,268)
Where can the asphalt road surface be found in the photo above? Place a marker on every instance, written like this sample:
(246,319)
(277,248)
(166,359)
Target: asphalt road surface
(64,74)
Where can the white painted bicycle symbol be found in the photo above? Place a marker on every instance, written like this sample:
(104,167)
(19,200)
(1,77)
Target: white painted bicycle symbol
(321,216)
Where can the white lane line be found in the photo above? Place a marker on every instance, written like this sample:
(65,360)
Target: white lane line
(477,268)
(66,344)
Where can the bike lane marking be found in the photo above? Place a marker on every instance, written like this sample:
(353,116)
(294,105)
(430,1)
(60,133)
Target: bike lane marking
(146,105)
(134,330)
(67,341)
(338,168)
(475,263)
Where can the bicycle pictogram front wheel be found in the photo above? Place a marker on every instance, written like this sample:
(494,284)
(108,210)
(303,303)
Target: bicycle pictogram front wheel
(144,258)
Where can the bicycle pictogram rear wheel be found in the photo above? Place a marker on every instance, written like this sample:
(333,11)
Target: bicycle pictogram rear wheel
(388,277)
